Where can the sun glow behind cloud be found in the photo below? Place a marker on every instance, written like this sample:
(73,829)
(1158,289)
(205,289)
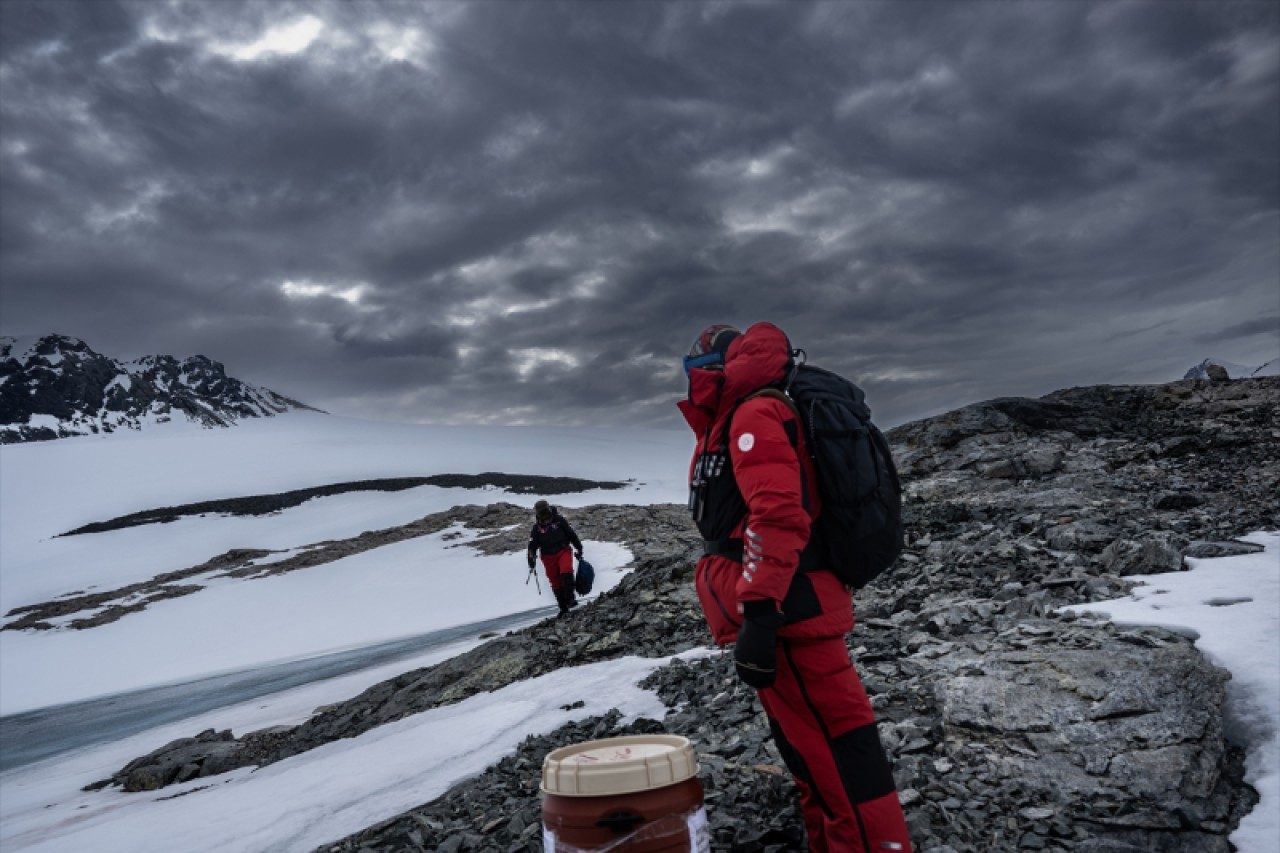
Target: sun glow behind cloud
(287,39)
(377,40)
(311,290)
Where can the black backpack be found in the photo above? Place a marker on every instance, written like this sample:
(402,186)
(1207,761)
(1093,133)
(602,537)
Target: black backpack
(859,533)
(861,520)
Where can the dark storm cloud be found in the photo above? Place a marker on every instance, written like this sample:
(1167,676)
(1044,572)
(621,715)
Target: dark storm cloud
(522,212)
(1267,326)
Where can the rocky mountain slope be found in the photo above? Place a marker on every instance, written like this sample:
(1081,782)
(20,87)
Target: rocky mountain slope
(59,387)
(1010,724)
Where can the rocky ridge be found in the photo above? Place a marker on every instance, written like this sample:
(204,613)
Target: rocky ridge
(59,387)
(1005,728)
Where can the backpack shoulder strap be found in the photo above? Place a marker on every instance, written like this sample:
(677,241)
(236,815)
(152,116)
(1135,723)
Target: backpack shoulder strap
(775,394)
(793,431)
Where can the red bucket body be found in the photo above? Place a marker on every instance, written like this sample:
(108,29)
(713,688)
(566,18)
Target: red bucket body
(664,820)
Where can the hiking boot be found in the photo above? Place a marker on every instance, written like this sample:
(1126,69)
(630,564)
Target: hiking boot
(564,598)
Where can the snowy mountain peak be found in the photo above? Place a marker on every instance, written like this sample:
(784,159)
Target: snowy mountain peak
(57,386)
(1233,370)
(60,344)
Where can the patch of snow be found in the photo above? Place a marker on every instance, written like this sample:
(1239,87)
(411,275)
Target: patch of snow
(396,591)
(321,795)
(50,488)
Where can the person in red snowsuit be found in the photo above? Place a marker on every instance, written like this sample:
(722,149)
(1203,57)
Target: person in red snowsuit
(554,536)
(754,496)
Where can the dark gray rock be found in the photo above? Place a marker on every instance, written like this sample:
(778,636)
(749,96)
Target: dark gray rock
(1151,554)
(1147,725)
(205,754)
(1177,500)
(1207,550)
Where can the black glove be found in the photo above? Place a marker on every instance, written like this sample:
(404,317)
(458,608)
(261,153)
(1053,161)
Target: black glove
(578,553)
(532,561)
(755,655)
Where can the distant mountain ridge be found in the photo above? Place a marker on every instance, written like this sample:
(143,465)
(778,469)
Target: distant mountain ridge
(1234,371)
(59,387)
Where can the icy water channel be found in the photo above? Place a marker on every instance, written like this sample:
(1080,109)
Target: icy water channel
(35,735)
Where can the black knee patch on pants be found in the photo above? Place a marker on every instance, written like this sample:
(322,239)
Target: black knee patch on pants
(864,767)
(790,757)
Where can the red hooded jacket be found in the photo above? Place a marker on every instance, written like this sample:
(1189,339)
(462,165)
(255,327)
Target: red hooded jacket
(777,482)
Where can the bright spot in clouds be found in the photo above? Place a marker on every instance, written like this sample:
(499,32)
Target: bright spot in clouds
(525,307)
(286,39)
(529,360)
(312,290)
(399,43)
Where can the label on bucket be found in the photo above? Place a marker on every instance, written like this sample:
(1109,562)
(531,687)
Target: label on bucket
(695,822)
(699,831)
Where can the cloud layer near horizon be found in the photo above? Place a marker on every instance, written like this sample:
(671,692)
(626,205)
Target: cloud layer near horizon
(522,212)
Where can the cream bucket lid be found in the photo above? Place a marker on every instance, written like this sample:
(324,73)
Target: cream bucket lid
(620,765)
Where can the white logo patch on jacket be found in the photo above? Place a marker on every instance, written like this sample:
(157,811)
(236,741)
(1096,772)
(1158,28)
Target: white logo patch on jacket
(746,441)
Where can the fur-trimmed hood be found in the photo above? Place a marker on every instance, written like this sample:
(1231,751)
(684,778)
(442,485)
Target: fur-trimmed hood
(758,358)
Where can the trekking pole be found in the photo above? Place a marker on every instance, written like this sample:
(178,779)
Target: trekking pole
(533,574)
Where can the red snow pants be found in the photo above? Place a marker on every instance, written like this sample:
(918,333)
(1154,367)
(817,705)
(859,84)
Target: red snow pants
(825,730)
(557,566)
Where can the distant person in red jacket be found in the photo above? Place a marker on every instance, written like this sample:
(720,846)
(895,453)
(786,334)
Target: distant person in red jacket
(754,496)
(554,537)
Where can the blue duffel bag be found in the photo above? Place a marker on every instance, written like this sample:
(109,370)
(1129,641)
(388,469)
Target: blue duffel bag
(585,577)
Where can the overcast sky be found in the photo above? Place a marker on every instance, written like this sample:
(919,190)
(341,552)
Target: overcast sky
(523,212)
